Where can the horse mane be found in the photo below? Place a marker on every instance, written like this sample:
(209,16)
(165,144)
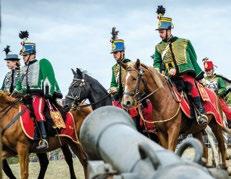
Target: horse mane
(6,98)
(157,76)
(95,83)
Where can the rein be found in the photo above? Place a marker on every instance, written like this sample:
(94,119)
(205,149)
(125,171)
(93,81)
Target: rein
(15,118)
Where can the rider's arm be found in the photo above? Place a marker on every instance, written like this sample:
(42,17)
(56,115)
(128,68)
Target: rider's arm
(157,60)
(49,80)
(193,58)
(114,84)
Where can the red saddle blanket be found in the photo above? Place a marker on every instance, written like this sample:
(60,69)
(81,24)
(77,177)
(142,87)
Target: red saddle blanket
(28,125)
(209,99)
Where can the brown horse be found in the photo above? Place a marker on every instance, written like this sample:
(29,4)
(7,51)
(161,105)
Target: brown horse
(15,142)
(167,115)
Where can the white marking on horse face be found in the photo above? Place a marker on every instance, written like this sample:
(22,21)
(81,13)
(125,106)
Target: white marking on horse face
(126,79)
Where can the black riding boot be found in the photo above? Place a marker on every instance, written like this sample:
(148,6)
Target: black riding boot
(202,118)
(43,144)
(229,123)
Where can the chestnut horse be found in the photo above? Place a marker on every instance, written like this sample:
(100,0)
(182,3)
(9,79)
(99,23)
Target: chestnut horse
(15,142)
(168,118)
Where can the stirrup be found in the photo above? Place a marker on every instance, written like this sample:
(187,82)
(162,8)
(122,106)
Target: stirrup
(202,119)
(42,144)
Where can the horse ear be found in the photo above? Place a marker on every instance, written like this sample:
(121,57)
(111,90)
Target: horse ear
(137,64)
(79,73)
(73,71)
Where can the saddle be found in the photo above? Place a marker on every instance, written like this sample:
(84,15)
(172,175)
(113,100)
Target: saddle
(208,97)
(53,112)
(28,124)
(56,118)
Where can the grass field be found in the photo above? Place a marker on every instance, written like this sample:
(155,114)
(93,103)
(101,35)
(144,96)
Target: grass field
(57,169)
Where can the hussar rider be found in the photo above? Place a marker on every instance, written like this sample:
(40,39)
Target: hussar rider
(176,57)
(37,81)
(221,85)
(13,64)
(118,72)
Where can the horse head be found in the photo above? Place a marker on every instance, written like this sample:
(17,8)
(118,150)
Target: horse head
(140,82)
(79,88)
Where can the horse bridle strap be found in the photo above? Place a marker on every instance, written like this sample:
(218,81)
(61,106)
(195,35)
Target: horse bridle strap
(136,91)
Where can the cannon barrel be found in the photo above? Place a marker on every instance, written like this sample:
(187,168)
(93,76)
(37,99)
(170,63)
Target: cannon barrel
(109,134)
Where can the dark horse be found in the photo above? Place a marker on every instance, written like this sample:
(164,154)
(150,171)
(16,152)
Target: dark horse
(84,87)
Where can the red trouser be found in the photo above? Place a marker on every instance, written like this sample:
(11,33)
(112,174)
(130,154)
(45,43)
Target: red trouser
(193,90)
(132,112)
(226,109)
(38,104)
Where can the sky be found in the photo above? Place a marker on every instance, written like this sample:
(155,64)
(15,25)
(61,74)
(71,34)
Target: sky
(76,33)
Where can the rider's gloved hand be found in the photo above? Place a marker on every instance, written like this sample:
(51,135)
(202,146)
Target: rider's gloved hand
(172,72)
(113,90)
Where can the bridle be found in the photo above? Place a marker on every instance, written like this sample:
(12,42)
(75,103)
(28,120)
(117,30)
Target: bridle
(76,98)
(136,93)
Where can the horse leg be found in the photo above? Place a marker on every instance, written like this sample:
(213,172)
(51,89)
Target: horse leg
(221,144)
(205,148)
(7,170)
(81,154)
(173,134)
(23,154)
(43,160)
(162,139)
(68,158)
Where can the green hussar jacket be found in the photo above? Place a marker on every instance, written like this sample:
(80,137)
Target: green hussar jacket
(116,73)
(185,57)
(37,77)
(10,80)
(220,85)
